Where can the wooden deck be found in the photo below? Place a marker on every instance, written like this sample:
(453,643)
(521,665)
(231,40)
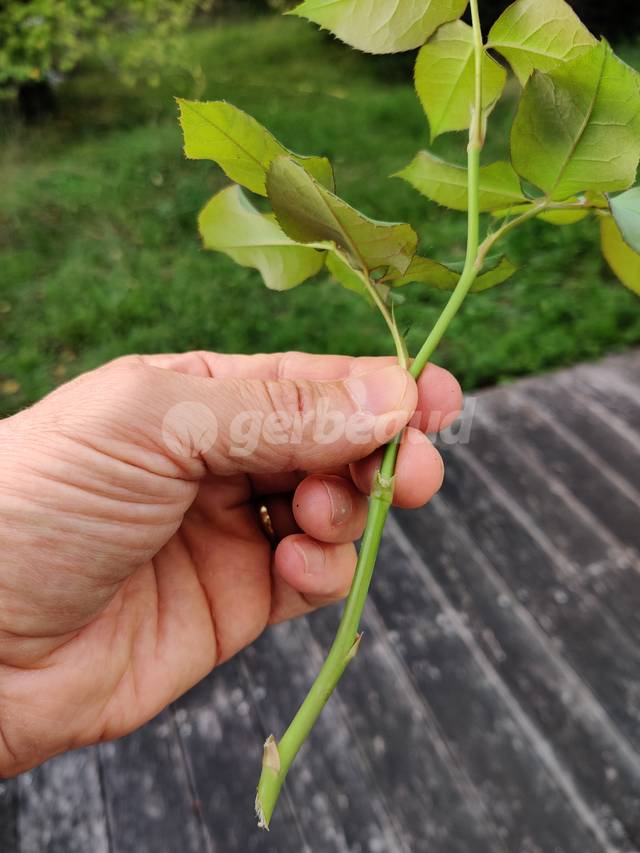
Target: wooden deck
(495,701)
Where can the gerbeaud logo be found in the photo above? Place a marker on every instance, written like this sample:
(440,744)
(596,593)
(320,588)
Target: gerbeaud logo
(191,429)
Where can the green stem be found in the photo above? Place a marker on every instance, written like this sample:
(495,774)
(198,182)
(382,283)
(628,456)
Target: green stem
(398,340)
(278,757)
(542,205)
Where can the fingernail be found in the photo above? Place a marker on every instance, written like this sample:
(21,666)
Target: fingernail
(312,556)
(380,391)
(340,503)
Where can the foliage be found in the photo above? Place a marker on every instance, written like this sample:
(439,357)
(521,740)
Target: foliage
(381,26)
(539,34)
(444,78)
(85,277)
(576,134)
(42,36)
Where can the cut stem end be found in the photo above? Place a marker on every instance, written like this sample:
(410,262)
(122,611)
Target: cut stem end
(270,783)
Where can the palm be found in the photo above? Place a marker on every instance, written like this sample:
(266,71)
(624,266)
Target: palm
(206,594)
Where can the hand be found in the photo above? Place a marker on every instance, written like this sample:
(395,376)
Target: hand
(132,555)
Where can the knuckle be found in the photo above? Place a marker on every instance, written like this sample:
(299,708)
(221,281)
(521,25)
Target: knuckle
(126,376)
(294,397)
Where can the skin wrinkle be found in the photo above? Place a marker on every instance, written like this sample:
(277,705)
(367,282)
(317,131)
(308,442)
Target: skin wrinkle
(217,657)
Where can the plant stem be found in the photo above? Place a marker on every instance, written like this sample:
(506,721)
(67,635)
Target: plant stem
(279,756)
(542,205)
(398,340)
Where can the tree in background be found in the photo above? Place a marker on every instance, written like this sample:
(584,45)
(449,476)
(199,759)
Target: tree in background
(41,39)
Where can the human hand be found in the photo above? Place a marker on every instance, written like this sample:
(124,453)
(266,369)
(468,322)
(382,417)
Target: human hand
(132,555)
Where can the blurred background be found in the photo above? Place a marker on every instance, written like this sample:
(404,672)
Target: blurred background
(99,252)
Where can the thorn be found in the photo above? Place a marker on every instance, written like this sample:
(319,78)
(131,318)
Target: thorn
(353,651)
(270,755)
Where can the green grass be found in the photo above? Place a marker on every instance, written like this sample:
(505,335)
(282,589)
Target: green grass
(99,254)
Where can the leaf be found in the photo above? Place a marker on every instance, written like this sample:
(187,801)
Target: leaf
(381,26)
(230,224)
(350,279)
(626,212)
(538,35)
(243,148)
(578,128)
(442,277)
(346,275)
(446,183)
(310,213)
(553,217)
(621,258)
(444,78)
(564,217)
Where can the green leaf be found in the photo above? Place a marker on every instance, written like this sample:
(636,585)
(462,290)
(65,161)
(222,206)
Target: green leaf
(619,255)
(230,224)
(444,78)
(243,148)
(564,217)
(446,183)
(350,279)
(578,128)
(310,213)
(553,217)
(538,35)
(381,26)
(626,212)
(442,277)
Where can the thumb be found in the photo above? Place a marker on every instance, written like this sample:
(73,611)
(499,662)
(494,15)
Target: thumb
(255,426)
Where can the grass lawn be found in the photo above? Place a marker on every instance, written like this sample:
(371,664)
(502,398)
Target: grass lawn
(99,254)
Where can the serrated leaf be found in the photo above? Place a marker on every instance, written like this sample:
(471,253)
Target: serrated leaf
(578,127)
(442,277)
(310,213)
(626,212)
(230,224)
(444,78)
(446,183)
(241,146)
(381,26)
(624,262)
(538,35)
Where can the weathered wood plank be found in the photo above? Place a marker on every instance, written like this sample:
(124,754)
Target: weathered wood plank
(616,444)
(608,387)
(509,762)
(9,816)
(222,738)
(626,367)
(389,800)
(61,807)
(146,788)
(411,763)
(595,644)
(608,497)
(585,563)
(530,663)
